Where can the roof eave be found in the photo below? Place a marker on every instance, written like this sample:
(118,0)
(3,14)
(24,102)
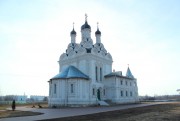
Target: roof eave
(70,78)
(119,76)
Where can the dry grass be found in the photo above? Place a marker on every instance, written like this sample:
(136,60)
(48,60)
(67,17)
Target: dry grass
(8,113)
(161,112)
(3,107)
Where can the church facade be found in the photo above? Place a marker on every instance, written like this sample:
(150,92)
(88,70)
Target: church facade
(85,75)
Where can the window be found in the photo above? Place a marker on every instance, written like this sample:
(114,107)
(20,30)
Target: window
(55,88)
(126,83)
(130,84)
(126,93)
(72,88)
(100,74)
(88,50)
(121,93)
(96,73)
(93,91)
(131,93)
(134,83)
(121,82)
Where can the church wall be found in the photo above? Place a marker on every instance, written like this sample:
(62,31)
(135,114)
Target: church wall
(82,66)
(110,90)
(127,87)
(64,95)
(108,69)
(87,63)
(92,70)
(64,66)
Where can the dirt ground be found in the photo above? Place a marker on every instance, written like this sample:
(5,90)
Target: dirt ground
(9,113)
(161,112)
(5,114)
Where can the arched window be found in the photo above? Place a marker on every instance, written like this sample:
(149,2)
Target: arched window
(96,73)
(72,88)
(55,88)
(100,74)
(93,91)
(121,82)
(126,83)
(131,94)
(121,93)
(126,93)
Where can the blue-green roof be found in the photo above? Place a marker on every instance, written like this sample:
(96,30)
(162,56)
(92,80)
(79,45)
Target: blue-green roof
(113,74)
(129,74)
(70,72)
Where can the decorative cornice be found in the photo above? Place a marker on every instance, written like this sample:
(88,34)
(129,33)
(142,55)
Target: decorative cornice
(85,56)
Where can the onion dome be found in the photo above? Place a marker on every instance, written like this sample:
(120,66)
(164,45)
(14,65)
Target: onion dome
(85,26)
(73,32)
(98,32)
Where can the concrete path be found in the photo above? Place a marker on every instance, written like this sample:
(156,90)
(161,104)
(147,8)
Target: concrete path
(66,112)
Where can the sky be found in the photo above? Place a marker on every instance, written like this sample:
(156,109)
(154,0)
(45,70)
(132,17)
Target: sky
(142,33)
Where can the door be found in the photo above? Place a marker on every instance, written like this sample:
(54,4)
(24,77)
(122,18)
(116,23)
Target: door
(98,94)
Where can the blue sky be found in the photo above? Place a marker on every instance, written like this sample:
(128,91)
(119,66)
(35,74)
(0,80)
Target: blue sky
(143,34)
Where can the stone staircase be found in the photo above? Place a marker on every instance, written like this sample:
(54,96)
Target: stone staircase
(102,103)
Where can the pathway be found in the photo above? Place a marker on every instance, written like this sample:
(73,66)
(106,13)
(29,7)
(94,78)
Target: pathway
(66,112)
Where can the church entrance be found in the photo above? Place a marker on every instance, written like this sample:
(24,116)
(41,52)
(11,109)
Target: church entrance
(99,94)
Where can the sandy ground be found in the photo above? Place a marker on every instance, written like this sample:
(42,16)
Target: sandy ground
(161,112)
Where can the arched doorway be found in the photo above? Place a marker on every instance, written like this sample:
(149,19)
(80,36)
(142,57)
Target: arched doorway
(98,94)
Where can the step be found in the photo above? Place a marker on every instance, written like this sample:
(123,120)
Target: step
(102,103)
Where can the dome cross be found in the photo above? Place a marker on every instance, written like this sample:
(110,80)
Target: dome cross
(73,25)
(97,25)
(86,17)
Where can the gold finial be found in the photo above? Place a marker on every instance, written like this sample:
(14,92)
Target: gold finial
(86,17)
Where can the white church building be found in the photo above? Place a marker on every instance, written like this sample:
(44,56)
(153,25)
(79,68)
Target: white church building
(85,75)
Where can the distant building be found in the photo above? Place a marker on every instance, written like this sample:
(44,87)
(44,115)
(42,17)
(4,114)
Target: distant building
(85,75)
(21,98)
(17,98)
(37,98)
